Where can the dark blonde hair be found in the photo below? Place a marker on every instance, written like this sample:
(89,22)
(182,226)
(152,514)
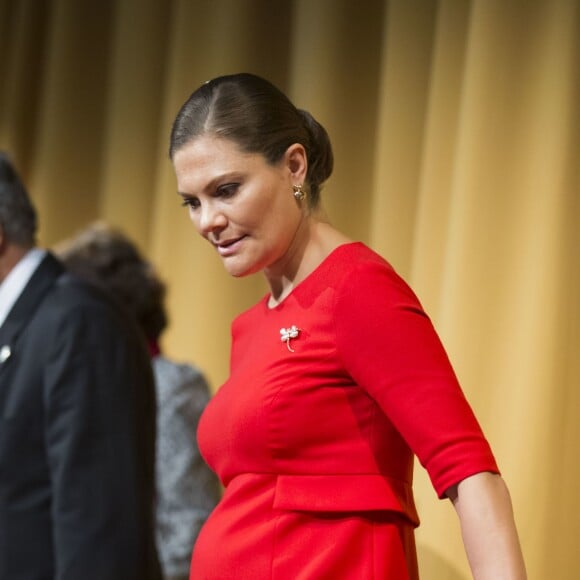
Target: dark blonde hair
(259,118)
(106,257)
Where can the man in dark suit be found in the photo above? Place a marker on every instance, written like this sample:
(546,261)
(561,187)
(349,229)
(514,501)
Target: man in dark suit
(77,419)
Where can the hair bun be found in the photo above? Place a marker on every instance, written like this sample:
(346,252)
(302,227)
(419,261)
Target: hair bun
(320,155)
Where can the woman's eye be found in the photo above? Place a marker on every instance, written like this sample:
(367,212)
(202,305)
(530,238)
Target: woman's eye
(227,190)
(190,202)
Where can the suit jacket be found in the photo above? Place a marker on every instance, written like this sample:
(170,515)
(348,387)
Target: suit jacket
(77,430)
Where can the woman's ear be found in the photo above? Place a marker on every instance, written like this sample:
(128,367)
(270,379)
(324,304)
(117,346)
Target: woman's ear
(297,163)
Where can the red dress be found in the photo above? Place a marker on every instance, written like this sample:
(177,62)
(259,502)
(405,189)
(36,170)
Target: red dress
(314,432)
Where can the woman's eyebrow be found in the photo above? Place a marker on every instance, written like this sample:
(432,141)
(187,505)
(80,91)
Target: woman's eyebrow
(211,184)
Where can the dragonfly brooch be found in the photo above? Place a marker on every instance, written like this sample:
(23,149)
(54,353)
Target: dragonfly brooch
(287,334)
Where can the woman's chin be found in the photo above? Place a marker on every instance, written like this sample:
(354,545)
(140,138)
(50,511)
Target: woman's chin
(239,270)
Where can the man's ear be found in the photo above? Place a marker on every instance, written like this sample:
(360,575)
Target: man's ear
(297,162)
(3,241)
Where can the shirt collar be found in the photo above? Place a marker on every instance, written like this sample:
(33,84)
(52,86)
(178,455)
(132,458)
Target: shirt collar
(15,282)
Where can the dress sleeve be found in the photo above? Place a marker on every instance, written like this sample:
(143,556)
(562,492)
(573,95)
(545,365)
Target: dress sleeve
(390,348)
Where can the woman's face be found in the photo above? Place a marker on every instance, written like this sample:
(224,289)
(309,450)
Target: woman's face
(240,203)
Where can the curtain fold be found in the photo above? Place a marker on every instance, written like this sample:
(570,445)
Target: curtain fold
(456,130)
(133,125)
(403,97)
(66,169)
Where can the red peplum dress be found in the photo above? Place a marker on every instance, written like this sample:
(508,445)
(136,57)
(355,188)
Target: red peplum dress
(313,435)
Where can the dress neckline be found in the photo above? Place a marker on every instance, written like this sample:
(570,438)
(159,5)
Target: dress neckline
(305,282)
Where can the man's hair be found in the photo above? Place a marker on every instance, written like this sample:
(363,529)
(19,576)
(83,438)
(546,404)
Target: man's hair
(17,214)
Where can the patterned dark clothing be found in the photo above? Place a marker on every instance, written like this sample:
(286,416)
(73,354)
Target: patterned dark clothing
(187,490)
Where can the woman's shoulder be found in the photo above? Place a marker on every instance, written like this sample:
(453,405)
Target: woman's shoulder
(358,255)
(352,263)
(360,273)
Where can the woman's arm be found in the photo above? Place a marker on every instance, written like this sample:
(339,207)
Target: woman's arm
(485,512)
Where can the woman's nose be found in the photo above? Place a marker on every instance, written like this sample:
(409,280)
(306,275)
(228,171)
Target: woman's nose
(211,219)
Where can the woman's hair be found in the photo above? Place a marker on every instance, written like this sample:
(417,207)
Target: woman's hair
(259,118)
(106,257)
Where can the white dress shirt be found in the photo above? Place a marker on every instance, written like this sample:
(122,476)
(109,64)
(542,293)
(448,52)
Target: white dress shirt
(15,282)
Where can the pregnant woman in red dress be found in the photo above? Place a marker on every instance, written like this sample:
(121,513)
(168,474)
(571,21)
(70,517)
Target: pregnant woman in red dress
(337,376)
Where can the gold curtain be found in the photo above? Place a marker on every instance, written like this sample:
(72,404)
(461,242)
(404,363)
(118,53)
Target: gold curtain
(456,126)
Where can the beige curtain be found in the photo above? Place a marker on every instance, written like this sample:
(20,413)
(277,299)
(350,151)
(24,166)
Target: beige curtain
(456,127)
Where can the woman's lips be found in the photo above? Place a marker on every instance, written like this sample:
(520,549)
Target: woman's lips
(229,247)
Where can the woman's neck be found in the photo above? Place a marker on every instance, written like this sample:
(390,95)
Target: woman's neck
(314,241)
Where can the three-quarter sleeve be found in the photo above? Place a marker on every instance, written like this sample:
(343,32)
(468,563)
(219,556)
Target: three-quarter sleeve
(389,346)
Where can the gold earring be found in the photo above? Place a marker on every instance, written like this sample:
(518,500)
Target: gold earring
(298,193)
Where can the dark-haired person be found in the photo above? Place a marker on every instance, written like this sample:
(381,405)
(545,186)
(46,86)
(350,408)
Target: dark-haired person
(337,376)
(187,490)
(77,418)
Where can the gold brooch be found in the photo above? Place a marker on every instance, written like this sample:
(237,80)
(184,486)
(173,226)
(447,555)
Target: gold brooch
(286,334)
